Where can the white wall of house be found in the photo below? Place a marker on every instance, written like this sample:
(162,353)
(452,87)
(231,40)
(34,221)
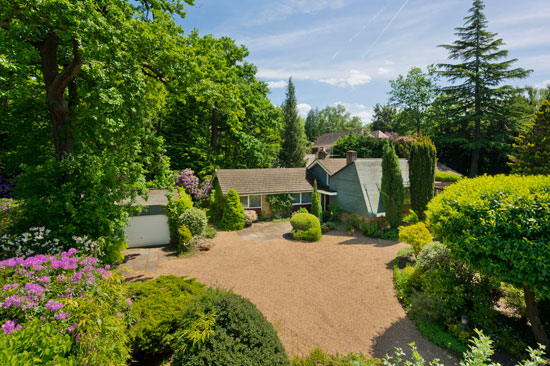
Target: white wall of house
(148,230)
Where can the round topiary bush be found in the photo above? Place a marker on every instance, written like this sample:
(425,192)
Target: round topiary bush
(305,227)
(195,220)
(238,335)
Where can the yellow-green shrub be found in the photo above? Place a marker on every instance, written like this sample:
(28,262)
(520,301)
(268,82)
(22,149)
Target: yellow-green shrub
(416,235)
(305,227)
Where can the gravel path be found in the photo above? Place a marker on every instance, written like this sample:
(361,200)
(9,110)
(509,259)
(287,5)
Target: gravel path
(336,293)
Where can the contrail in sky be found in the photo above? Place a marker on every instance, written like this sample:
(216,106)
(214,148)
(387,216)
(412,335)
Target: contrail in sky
(385,28)
(359,32)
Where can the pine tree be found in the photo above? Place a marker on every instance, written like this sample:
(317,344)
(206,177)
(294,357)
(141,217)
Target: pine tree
(312,125)
(293,149)
(476,99)
(316,209)
(532,148)
(422,161)
(393,192)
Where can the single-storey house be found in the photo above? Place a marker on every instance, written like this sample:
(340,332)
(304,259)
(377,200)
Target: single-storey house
(354,184)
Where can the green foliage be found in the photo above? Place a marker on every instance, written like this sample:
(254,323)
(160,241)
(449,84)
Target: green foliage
(305,227)
(392,190)
(413,95)
(195,220)
(532,151)
(316,208)
(293,150)
(38,343)
(224,329)
(302,210)
(422,161)
(514,298)
(496,225)
(330,119)
(175,209)
(280,204)
(318,357)
(432,256)
(365,145)
(233,212)
(447,177)
(216,203)
(87,83)
(112,250)
(184,238)
(411,218)
(383,118)
(336,212)
(209,232)
(158,307)
(417,235)
(476,106)
(9,214)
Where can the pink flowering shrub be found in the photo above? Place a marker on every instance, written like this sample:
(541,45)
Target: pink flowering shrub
(76,298)
(198,190)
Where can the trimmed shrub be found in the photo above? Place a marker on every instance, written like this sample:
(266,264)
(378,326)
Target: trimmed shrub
(233,212)
(306,227)
(392,190)
(224,329)
(433,255)
(184,237)
(174,209)
(112,250)
(316,208)
(195,220)
(447,177)
(301,210)
(416,235)
(158,307)
(209,232)
(65,299)
(250,216)
(318,357)
(422,161)
(411,218)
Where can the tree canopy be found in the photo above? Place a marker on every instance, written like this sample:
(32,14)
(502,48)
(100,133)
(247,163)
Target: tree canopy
(293,148)
(330,119)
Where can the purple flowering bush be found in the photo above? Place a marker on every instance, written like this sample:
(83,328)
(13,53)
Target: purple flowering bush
(5,187)
(67,298)
(198,190)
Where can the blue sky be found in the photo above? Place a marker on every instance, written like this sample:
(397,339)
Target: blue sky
(346,51)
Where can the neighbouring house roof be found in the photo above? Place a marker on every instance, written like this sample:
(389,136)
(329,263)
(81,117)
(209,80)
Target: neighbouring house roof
(377,134)
(263,181)
(310,158)
(328,139)
(445,169)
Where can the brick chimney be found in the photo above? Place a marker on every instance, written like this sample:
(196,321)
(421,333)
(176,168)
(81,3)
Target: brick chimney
(351,156)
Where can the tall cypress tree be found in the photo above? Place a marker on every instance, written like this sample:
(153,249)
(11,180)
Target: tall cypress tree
(422,161)
(316,208)
(476,99)
(393,192)
(293,147)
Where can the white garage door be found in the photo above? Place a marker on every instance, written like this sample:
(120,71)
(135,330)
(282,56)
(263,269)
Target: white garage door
(146,231)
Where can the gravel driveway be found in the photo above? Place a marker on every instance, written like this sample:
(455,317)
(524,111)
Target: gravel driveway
(336,294)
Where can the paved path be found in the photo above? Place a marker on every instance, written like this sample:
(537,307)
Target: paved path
(336,293)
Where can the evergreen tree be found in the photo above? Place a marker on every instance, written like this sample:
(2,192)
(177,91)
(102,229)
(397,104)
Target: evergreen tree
(532,148)
(316,209)
(422,161)
(476,100)
(383,118)
(393,192)
(293,149)
(233,212)
(312,125)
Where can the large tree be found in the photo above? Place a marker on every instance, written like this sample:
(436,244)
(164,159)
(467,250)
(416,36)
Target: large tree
(476,100)
(422,163)
(413,96)
(86,77)
(293,146)
(383,118)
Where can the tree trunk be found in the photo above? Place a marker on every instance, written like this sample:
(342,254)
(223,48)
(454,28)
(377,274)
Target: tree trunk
(56,84)
(214,139)
(533,316)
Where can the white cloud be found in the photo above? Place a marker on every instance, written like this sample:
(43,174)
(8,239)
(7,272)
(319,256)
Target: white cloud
(544,84)
(276,84)
(357,109)
(382,71)
(303,109)
(355,78)
(285,8)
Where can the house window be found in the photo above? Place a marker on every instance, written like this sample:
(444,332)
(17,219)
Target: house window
(254,201)
(303,198)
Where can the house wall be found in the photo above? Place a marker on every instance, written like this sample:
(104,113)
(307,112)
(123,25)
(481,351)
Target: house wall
(350,193)
(320,174)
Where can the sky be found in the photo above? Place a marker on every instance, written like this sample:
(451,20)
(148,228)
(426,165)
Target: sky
(346,51)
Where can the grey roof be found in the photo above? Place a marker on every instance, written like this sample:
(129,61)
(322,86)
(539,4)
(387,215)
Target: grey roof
(328,139)
(445,169)
(263,181)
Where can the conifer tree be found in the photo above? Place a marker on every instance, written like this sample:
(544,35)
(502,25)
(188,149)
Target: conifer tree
(233,212)
(476,98)
(393,192)
(293,149)
(316,209)
(532,148)
(422,161)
